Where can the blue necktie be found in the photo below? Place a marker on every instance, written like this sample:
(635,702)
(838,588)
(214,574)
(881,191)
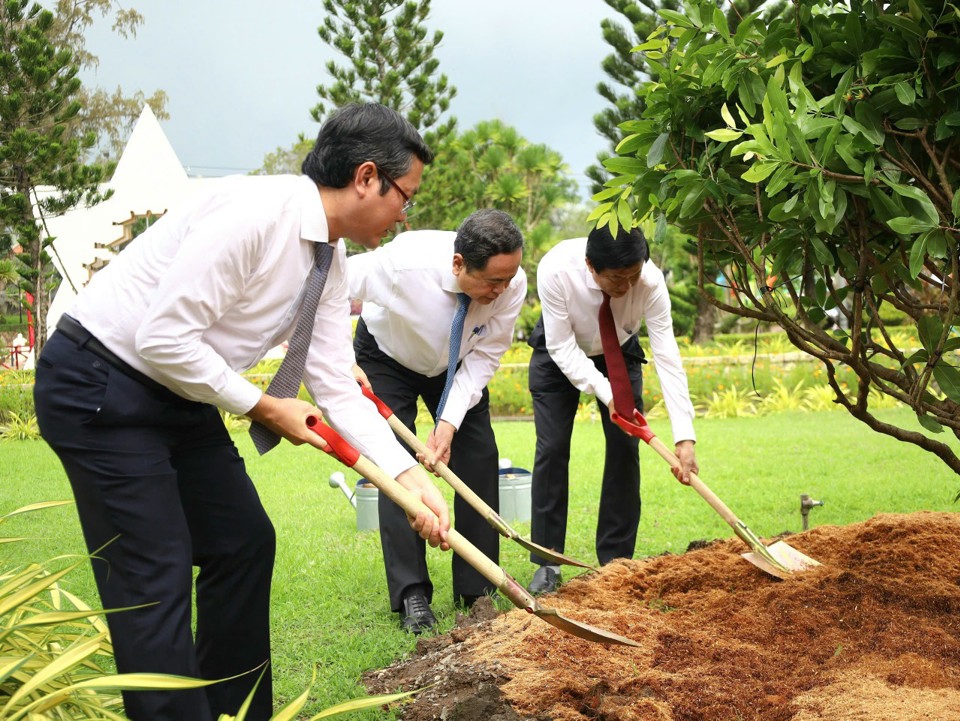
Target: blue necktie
(286,381)
(456,334)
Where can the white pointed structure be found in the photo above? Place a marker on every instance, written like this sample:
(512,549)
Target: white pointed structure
(148,180)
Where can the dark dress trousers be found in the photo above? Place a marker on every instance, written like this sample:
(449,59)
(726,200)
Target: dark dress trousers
(160,488)
(555,402)
(473,458)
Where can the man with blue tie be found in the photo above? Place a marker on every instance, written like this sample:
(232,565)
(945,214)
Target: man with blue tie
(438,312)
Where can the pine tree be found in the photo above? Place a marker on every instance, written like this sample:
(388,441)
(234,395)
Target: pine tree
(390,61)
(38,106)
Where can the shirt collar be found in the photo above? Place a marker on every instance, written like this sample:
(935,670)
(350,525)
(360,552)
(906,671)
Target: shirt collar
(313,219)
(588,278)
(449,283)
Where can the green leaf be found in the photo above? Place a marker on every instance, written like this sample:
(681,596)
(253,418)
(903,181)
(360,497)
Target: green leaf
(926,206)
(655,154)
(777,99)
(948,378)
(919,357)
(760,171)
(777,60)
(820,250)
(599,211)
(692,202)
(676,18)
(720,22)
(629,144)
(35,507)
(909,225)
(660,230)
(624,166)
(929,330)
(727,116)
(724,135)
(929,423)
(843,87)
(362,703)
(624,215)
(917,255)
(905,93)
(780,179)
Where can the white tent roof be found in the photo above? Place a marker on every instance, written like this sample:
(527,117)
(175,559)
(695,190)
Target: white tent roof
(148,177)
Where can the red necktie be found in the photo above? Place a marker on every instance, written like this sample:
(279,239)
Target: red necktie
(616,365)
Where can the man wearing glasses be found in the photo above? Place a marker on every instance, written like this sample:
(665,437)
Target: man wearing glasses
(428,294)
(129,387)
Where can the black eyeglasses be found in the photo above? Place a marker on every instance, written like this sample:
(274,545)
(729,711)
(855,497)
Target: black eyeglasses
(408,204)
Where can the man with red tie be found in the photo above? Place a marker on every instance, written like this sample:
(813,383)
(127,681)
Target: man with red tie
(573,280)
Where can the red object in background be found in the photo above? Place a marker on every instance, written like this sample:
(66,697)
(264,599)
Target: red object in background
(31,334)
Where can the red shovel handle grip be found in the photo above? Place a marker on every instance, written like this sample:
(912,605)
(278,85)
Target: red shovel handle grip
(382,407)
(336,446)
(637,427)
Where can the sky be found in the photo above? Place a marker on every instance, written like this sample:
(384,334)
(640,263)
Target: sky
(241,75)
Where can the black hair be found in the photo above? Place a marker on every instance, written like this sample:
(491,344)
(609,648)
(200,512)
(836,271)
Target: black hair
(484,234)
(627,249)
(361,132)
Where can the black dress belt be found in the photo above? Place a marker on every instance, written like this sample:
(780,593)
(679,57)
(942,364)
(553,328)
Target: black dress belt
(72,329)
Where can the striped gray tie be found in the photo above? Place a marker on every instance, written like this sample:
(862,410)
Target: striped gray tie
(286,382)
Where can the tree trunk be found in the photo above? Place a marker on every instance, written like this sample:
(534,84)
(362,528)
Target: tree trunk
(706,320)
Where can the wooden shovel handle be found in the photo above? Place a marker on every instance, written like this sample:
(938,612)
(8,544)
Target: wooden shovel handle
(641,429)
(698,485)
(352,458)
(465,492)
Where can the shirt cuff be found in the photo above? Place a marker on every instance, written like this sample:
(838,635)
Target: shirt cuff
(239,395)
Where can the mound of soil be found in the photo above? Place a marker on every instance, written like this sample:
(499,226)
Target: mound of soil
(871,635)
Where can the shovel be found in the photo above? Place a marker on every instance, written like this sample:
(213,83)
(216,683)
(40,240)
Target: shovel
(779,559)
(350,457)
(477,503)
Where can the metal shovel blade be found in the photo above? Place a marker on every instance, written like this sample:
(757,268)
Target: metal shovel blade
(582,630)
(548,554)
(521,598)
(788,559)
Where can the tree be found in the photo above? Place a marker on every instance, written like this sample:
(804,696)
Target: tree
(391,62)
(626,71)
(815,160)
(39,105)
(286,160)
(493,166)
(109,115)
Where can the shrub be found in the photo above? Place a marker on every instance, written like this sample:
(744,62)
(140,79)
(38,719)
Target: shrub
(56,655)
(16,394)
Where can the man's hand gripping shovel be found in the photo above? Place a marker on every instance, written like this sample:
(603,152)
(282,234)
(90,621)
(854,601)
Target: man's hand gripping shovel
(779,559)
(350,457)
(465,492)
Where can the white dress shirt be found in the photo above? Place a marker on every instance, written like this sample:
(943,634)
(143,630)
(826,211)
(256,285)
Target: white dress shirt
(409,295)
(207,291)
(570,299)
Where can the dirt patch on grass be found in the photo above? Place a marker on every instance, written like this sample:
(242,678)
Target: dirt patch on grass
(871,635)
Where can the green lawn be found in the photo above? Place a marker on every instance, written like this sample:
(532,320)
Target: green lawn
(330,609)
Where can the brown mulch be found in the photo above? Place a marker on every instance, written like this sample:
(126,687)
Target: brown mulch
(871,635)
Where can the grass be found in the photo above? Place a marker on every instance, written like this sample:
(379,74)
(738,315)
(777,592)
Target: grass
(329,597)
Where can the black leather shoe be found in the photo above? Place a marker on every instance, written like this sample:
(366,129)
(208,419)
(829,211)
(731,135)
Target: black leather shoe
(416,616)
(545,580)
